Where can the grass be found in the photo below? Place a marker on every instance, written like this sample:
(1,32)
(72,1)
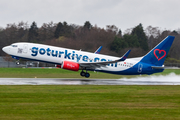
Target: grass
(85,102)
(89,102)
(60,73)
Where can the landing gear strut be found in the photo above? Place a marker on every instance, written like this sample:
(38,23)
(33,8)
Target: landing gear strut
(84,74)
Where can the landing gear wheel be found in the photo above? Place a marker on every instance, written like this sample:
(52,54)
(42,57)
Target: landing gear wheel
(17,62)
(87,75)
(82,73)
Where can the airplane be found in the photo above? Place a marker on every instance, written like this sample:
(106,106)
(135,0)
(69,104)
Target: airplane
(76,60)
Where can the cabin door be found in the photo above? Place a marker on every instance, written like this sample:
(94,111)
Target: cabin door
(25,48)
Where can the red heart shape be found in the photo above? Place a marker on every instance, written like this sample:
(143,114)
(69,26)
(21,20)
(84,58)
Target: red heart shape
(159,53)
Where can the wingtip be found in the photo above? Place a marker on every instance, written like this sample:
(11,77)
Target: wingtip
(124,57)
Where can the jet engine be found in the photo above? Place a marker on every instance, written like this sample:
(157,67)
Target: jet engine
(68,65)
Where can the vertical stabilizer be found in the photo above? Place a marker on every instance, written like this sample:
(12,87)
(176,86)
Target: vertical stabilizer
(159,53)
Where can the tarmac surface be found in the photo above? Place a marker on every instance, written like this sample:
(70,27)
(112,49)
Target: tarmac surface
(170,79)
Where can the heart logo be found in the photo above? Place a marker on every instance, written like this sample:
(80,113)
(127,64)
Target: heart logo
(159,56)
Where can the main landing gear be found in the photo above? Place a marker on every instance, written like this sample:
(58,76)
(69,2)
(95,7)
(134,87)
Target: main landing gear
(84,74)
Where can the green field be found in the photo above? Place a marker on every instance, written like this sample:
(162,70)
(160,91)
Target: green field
(60,73)
(89,102)
(85,102)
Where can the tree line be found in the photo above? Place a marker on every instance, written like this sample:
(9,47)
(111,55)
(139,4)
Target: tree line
(88,37)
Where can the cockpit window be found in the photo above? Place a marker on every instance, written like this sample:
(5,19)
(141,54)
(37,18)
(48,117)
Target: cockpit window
(14,45)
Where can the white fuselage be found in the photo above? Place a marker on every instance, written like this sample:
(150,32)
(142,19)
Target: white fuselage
(57,55)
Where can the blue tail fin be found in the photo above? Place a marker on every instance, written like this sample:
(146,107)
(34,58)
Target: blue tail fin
(159,53)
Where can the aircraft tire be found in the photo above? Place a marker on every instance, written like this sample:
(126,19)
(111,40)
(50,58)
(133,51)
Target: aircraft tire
(87,75)
(82,73)
(17,63)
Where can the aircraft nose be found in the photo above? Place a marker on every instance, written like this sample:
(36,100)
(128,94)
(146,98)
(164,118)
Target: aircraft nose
(5,49)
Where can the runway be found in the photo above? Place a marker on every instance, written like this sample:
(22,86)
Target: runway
(171,79)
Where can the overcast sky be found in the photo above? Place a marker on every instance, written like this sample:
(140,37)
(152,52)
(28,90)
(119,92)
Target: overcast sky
(122,13)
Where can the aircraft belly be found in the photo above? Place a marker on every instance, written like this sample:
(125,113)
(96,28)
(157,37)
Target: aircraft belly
(109,68)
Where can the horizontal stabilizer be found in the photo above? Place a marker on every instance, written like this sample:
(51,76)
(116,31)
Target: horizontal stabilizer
(157,67)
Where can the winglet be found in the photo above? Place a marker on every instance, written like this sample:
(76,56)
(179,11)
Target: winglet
(125,56)
(98,50)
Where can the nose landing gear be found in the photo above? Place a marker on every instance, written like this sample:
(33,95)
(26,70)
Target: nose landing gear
(17,62)
(84,74)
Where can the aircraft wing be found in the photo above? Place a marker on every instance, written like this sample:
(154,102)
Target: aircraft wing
(104,63)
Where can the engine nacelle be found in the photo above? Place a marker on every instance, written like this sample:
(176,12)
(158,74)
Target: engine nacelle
(68,65)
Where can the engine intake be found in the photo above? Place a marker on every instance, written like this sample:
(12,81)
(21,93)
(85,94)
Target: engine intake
(68,65)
